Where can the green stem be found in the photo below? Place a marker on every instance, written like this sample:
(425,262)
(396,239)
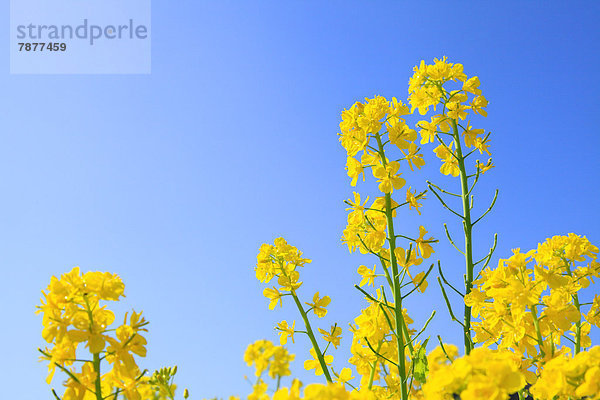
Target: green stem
(398,316)
(374,367)
(311,335)
(577,325)
(171,394)
(468,228)
(98,383)
(404,327)
(536,324)
(578,305)
(96,360)
(407,337)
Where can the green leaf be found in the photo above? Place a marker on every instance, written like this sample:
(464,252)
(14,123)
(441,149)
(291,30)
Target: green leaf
(419,360)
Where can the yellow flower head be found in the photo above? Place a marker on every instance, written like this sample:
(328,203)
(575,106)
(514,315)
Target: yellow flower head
(315,364)
(333,336)
(285,331)
(318,305)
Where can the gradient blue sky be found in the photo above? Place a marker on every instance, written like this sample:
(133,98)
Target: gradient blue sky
(174,179)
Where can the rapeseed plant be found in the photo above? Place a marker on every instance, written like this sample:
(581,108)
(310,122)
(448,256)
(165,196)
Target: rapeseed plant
(525,326)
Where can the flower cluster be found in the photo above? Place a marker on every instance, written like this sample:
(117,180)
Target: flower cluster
(363,123)
(282,260)
(265,356)
(568,378)
(73,314)
(279,260)
(324,392)
(426,89)
(530,301)
(483,374)
(371,330)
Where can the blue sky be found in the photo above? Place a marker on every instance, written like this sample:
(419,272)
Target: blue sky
(174,179)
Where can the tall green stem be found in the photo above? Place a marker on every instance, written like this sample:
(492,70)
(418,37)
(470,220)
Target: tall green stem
(373,368)
(577,325)
(398,316)
(468,228)
(538,332)
(96,361)
(578,305)
(311,335)
(98,382)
